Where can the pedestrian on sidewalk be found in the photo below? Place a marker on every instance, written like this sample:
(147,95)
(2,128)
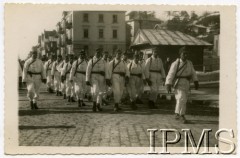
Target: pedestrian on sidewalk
(78,77)
(155,77)
(56,75)
(96,76)
(119,75)
(179,77)
(136,80)
(33,76)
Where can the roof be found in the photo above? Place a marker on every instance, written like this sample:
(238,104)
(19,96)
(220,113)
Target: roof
(166,37)
(50,33)
(138,18)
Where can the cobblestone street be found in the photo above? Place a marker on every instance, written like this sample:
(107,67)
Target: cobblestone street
(59,123)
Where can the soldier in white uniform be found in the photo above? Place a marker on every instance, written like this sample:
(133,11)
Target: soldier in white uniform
(65,76)
(180,74)
(125,96)
(48,67)
(141,89)
(119,74)
(78,77)
(155,77)
(63,83)
(96,76)
(56,74)
(33,76)
(136,80)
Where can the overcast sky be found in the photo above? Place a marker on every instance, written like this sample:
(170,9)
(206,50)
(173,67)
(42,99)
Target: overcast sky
(28,23)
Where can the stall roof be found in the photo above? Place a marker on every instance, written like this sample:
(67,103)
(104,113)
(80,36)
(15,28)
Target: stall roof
(166,37)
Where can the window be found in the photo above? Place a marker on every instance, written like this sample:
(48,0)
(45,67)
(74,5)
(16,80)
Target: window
(114,18)
(100,33)
(100,18)
(85,17)
(85,33)
(114,33)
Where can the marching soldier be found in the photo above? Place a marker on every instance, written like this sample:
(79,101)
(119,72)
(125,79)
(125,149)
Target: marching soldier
(136,79)
(119,74)
(33,76)
(48,67)
(56,74)
(65,74)
(155,77)
(96,76)
(180,74)
(141,89)
(63,83)
(78,77)
(125,94)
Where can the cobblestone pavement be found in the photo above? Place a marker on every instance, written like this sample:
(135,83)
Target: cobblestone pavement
(59,123)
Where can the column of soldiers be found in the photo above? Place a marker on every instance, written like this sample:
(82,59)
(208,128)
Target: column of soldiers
(73,79)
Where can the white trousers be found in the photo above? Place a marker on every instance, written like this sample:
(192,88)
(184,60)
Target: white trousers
(156,79)
(57,81)
(98,87)
(49,79)
(69,87)
(33,87)
(80,86)
(118,86)
(134,87)
(181,101)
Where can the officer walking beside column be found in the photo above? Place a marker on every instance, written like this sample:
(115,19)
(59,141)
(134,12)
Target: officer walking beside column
(33,76)
(180,74)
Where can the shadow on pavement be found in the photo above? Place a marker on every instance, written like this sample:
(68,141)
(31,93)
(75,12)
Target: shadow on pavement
(108,110)
(201,122)
(44,127)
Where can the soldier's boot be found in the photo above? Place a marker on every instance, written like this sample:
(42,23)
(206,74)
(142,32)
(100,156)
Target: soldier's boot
(138,101)
(105,102)
(177,116)
(133,105)
(183,119)
(94,108)
(64,96)
(150,104)
(72,99)
(79,103)
(115,107)
(83,104)
(35,105)
(51,90)
(31,105)
(98,107)
(57,93)
(69,99)
(154,106)
(60,93)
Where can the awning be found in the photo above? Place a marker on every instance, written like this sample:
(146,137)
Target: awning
(166,37)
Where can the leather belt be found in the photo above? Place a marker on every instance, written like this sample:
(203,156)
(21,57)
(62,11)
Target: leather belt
(81,72)
(156,71)
(138,75)
(119,73)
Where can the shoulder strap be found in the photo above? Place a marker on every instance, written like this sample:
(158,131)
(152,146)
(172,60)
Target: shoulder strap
(114,66)
(77,65)
(20,65)
(150,63)
(130,66)
(30,64)
(93,64)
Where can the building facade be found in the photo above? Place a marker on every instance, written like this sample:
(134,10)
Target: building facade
(90,30)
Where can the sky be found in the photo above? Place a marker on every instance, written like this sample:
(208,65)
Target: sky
(27,22)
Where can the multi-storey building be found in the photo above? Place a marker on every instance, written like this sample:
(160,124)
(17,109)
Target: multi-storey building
(90,30)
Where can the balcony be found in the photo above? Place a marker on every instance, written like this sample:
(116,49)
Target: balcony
(68,25)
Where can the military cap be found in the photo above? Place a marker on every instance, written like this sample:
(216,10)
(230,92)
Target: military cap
(182,49)
(99,49)
(82,52)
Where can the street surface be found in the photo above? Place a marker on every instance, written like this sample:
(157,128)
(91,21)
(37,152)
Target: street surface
(59,123)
